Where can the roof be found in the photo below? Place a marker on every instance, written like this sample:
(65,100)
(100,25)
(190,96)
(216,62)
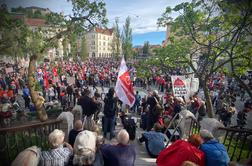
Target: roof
(18,15)
(35,22)
(104,31)
(155,46)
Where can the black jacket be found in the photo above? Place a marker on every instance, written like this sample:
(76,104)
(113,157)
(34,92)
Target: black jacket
(89,107)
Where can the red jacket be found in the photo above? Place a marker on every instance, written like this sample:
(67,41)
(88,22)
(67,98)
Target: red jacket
(179,152)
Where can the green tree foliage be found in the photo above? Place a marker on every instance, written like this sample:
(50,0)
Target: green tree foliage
(73,44)
(84,50)
(29,13)
(13,35)
(86,14)
(127,39)
(65,46)
(202,36)
(146,49)
(116,43)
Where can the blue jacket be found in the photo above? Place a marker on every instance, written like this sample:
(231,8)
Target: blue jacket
(216,153)
(155,141)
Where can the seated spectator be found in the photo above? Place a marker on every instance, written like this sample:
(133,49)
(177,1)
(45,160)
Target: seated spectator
(85,148)
(74,132)
(154,140)
(121,154)
(216,153)
(181,151)
(28,157)
(60,151)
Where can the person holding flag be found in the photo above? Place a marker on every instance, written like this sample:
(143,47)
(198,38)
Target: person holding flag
(124,88)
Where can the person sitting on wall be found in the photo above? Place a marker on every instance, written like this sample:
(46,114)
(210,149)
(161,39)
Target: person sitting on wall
(60,151)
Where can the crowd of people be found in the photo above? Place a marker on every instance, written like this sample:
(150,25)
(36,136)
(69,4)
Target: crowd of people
(74,86)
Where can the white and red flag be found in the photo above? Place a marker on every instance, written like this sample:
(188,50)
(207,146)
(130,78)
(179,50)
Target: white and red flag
(124,87)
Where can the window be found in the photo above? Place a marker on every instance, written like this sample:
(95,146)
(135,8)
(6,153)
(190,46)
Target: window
(104,43)
(93,42)
(99,43)
(104,37)
(93,36)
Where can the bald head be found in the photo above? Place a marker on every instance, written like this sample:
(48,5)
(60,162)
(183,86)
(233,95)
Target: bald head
(123,137)
(78,125)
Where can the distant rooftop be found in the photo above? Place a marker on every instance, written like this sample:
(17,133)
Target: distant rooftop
(38,8)
(104,31)
(35,22)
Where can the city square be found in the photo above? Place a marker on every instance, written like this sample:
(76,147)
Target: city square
(124,83)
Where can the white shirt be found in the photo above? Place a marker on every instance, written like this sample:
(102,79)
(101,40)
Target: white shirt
(69,118)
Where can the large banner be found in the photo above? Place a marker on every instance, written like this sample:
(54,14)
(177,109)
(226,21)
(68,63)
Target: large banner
(124,87)
(183,86)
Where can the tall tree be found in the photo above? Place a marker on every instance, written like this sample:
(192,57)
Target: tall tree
(14,33)
(65,46)
(127,39)
(146,49)
(84,50)
(87,14)
(117,42)
(203,34)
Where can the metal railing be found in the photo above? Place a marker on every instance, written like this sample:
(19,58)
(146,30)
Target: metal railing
(238,142)
(13,140)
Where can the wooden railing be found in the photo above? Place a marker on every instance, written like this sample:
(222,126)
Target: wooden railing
(13,140)
(238,142)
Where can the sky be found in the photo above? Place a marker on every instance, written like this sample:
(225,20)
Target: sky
(143,14)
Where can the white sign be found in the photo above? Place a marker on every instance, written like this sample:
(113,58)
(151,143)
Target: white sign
(179,86)
(183,86)
(9,70)
(71,80)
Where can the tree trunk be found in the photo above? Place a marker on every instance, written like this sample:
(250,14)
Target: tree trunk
(209,105)
(36,99)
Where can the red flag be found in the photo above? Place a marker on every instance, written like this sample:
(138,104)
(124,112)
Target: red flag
(55,72)
(124,87)
(46,82)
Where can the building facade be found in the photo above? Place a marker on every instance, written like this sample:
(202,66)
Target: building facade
(100,43)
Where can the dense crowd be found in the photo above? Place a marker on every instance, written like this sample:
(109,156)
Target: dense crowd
(74,86)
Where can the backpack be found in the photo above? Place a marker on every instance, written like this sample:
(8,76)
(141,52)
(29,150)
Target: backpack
(130,126)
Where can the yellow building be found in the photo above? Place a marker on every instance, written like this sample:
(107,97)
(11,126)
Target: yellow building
(100,43)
